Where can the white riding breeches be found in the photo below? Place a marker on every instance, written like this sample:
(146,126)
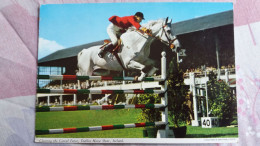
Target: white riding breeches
(113,31)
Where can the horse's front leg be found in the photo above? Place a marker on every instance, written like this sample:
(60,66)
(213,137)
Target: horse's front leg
(149,67)
(136,65)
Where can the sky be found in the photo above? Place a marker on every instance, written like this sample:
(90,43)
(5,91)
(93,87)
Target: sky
(63,26)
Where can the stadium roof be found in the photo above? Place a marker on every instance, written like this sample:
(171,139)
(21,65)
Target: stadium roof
(203,23)
(179,28)
(69,52)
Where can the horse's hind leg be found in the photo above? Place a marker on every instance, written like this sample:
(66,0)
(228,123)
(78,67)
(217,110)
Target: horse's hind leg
(86,70)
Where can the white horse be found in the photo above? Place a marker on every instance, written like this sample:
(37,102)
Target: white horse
(134,52)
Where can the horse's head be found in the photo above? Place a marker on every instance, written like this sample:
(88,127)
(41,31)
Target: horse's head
(161,29)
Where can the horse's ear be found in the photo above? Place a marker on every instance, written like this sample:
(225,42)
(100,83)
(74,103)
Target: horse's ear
(166,20)
(170,21)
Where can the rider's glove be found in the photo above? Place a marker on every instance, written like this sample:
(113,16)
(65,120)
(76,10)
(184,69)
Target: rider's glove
(146,30)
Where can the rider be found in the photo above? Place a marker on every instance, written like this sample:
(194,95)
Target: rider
(118,26)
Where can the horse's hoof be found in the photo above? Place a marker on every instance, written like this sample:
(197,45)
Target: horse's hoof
(136,78)
(142,77)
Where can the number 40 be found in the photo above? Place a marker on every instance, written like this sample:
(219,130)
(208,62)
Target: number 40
(206,122)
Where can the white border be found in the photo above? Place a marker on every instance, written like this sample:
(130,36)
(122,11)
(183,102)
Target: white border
(137,140)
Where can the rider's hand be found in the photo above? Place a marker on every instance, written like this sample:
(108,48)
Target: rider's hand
(145,30)
(142,29)
(149,31)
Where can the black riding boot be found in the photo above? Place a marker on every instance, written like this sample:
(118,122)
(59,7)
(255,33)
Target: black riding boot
(102,52)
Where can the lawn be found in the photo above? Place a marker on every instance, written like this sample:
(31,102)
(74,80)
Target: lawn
(56,120)
(219,132)
(69,119)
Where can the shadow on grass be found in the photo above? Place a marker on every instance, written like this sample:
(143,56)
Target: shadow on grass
(233,135)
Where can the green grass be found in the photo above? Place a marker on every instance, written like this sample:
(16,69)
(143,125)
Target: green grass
(219,132)
(56,120)
(69,119)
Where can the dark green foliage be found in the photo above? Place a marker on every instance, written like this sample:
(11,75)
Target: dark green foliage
(222,102)
(149,115)
(177,91)
(234,122)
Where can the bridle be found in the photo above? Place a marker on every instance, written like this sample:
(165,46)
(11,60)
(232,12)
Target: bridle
(170,42)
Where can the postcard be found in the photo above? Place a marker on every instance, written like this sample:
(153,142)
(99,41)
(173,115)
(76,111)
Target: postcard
(155,72)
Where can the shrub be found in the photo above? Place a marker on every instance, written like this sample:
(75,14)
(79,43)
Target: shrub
(177,92)
(221,100)
(149,115)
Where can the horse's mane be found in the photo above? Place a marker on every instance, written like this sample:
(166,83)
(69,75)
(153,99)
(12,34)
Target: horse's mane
(151,23)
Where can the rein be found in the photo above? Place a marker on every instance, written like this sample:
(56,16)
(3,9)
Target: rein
(159,38)
(169,40)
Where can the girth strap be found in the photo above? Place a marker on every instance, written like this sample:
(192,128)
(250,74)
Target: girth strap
(119,61)
(115,51)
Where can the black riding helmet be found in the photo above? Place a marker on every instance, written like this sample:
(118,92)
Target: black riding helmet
(139,14)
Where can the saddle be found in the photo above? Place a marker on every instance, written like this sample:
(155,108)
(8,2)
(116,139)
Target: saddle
(113,50)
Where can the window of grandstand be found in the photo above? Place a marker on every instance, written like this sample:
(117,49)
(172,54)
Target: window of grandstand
(48,70)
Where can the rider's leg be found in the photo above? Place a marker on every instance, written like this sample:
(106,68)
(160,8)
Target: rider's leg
(103,51)
(112,31)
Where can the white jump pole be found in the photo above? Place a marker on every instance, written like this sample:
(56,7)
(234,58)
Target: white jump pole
(207,98)
(74,97)
(90,98)
(164,100)
(195,109)
(61,84)
(48,100)
(226,76)
(61,99)
(79,84)
(123,77)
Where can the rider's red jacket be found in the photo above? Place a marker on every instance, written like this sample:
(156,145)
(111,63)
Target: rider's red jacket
(124,22)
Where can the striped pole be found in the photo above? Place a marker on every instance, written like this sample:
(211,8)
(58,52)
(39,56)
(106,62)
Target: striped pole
(98,107)
(95,78)
(93,91)
(98,128)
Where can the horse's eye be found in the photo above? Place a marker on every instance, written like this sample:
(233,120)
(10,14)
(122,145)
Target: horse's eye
(169,31)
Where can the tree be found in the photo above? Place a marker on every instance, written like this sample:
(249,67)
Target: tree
(221,100)
(177,92)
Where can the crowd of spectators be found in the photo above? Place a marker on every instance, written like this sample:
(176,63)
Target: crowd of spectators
(44,102)
(200,71)
(85,84)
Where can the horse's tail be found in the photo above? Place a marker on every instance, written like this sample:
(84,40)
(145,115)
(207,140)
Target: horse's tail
(78,71)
